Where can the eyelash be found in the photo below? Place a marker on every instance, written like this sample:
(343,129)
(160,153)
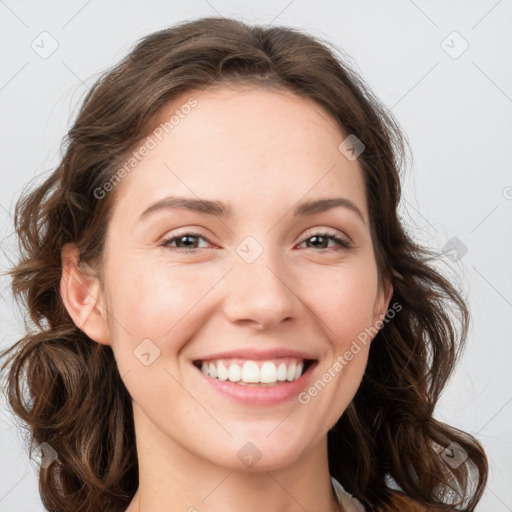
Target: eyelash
(343,245)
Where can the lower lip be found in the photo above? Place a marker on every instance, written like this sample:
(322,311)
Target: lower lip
(260,395)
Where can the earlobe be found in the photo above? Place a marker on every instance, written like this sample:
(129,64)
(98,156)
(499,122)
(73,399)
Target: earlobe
(83,298)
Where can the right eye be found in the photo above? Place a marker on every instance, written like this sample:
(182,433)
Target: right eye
(186,238)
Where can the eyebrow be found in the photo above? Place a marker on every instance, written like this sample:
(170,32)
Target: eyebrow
(221,209)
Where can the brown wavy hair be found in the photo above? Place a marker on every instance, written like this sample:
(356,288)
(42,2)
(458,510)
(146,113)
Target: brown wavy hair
(76,400)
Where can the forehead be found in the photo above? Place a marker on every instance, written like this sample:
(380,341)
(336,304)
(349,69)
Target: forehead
(245,146)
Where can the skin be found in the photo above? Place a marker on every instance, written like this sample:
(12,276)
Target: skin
(262,152)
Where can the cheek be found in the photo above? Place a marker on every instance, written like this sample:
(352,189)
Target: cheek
(151,295)
(344,300)
(151,308)
(156,301)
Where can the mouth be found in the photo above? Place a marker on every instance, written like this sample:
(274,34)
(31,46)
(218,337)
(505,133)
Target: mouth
(260,373)
(256,383)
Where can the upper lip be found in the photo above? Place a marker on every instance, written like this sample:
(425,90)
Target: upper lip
(257,354)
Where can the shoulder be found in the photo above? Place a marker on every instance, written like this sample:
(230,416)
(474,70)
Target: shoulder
(401,502)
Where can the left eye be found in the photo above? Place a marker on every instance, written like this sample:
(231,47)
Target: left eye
(187,239)
(342,243)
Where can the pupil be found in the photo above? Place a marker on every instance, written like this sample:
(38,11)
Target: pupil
(317,238)
(185,237)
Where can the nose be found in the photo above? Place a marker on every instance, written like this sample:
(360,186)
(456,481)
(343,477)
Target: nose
(261,293)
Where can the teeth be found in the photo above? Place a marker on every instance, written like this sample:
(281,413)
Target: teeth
(290,373)
(234,373)
(268,373)
(281,372)
(222,372)
(212,370)
(251,373)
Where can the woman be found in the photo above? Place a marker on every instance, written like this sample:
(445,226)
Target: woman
(229,313)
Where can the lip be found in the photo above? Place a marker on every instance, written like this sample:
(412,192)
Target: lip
(259,395)
(257,355)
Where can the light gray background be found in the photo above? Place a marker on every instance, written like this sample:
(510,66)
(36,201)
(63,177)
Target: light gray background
(456,113)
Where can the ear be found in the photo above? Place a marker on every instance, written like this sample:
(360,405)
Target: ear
(382,303)
(82,296)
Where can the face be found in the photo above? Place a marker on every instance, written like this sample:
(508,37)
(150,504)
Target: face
(182,286)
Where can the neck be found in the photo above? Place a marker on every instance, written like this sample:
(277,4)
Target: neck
(173,479)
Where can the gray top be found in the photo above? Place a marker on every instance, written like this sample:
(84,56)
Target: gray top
(349,503)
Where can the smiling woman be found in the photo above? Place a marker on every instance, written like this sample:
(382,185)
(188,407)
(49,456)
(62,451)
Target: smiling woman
(235,317)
